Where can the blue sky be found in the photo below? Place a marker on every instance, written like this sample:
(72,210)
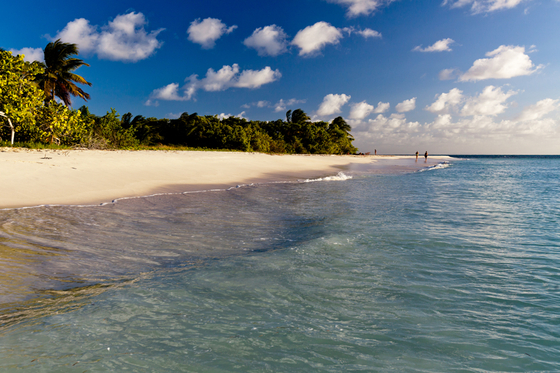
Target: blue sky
(452,76)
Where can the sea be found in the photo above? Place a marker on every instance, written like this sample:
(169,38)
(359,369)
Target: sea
(451,268)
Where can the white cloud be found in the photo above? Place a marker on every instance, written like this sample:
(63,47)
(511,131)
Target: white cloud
(206,32)
(446,100)
(30,54)
(331,104)
(223,116)
(80,32)
(312,39)
(483,6)
(257,78)
(361,110)
(218,80)
(438,46)
(449,74)
(231,76)
(226,77)
(534,131)
(170,92)
(268,41)
(490,102)
(369,33)
(537,111)
(283,105)
(406,105)
(173,115)
(382,107)
(123,39)
(505,62)
(360,7)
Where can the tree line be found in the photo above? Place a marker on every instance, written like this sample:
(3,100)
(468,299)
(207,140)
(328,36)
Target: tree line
(29,109)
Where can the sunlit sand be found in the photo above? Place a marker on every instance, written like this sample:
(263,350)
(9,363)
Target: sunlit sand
(39,177)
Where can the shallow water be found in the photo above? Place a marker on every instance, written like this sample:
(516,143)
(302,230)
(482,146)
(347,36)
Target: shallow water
(453,269)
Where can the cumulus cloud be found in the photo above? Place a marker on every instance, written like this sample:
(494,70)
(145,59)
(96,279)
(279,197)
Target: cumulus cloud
(360,7)
(505,62)
(446,100)
(490,102)
(170,93)
(438,46)
(268,41)
(483,6)
(257,78)
(283,105)
(206,32)
(30,54)
(225,78)
(533,131)
(361,110)
(382,107)
(223,116)
(123,39)
(406,105)
(80,32)
(313,38)
(231,76)
(332,103)
(539,110)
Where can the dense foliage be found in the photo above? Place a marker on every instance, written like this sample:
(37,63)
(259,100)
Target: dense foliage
(26,98)
(23,102)
(295,135)
(19,95)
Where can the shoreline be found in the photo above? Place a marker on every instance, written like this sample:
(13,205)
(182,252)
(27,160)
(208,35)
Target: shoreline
(32,178)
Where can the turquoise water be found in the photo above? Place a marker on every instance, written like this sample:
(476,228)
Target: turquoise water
(456,268)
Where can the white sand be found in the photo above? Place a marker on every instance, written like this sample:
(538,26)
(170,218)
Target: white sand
(32,177)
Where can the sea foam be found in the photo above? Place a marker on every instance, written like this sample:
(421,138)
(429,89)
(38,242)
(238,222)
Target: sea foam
(339,177)
(438,166)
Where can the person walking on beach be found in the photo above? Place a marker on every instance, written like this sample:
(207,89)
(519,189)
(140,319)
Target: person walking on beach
(426,157)
(416,156)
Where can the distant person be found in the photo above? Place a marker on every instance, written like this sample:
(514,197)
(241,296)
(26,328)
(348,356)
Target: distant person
(416,156)
(375,152)
(426,157)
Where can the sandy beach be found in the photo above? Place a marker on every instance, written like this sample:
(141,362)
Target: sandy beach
(68,177)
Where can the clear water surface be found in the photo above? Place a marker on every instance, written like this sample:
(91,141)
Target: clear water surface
(454,269)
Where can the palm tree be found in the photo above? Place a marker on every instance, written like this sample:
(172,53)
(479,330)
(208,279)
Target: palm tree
(340,123)
(58,80)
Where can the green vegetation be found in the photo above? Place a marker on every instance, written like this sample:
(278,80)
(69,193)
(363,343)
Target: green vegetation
(57,78)
(27,98)
(27,106)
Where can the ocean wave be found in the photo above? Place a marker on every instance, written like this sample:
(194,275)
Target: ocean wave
(438,166)
(339,177)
